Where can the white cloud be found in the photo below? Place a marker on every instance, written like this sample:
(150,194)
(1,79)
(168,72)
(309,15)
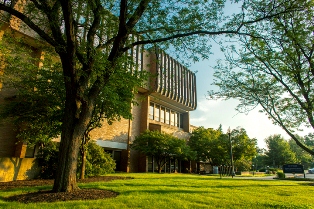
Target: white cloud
(211,114)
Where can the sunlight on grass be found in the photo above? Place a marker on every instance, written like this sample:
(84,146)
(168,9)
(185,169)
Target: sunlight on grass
(185,191)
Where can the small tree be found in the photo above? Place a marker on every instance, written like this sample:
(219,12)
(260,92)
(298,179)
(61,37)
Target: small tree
(279,151)
(161,146)
(98,162)
(214,146)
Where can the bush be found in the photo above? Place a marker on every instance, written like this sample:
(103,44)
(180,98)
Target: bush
(281,175)
(273,170)
(47,160)
(98,162)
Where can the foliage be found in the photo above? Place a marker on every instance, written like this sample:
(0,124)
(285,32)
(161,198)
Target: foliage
(162,146)
(302,157)
(278,151)
(243,146)
(243,164)
(48,159)
(37,106)
(98,162)
(94,40)
(203,142)
(274,71)
(281,175)
(214,146)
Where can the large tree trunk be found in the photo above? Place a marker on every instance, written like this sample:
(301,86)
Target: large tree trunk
(71,137)
(77,115)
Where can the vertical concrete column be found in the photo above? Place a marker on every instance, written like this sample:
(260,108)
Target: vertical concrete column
(186,122)
(144,113)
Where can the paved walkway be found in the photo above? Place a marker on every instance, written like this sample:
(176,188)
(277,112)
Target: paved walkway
(307,175)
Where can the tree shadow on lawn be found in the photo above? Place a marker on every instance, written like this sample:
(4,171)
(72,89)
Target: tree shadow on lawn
(167,185)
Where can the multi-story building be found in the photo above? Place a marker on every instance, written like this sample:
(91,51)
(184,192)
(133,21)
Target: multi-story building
(164,105)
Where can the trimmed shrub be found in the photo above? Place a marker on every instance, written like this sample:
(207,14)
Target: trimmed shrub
(281,175)
(98,162)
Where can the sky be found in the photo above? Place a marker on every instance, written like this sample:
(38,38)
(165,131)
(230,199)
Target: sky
(212,113)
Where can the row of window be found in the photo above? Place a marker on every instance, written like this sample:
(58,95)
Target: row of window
(165,115)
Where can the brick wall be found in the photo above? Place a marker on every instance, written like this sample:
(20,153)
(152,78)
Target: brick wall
(117,132)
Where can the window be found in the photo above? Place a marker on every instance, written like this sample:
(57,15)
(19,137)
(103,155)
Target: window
(167,116)
(30,151)
(157,110)
(151,111)
(176,118)
(162,114)
(172,118)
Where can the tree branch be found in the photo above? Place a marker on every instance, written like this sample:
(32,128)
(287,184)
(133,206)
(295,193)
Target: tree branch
(29,23)
(92,30)
(137,14)
(181,35)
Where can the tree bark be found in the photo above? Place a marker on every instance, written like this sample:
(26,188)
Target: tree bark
(83,166)
(76,119)
(71,136)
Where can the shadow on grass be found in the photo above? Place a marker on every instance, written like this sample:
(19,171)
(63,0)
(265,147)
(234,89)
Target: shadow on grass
(169,187)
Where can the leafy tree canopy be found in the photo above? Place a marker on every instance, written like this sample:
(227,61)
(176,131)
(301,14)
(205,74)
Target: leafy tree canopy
(274,71)
(302,157)
(214,146)
(162,146)
(38,106)
(279,151)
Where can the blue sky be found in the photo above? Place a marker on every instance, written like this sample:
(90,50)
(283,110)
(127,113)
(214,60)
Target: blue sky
(211,114)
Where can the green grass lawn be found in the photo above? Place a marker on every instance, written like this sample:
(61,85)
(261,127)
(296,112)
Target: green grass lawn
(185,191)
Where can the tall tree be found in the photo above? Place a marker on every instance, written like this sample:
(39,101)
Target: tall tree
(278,151)
(244,148)
(214,146)
(302,157)
(38,105)
(162,146)
(274,72)
(92,39)
(202,142)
